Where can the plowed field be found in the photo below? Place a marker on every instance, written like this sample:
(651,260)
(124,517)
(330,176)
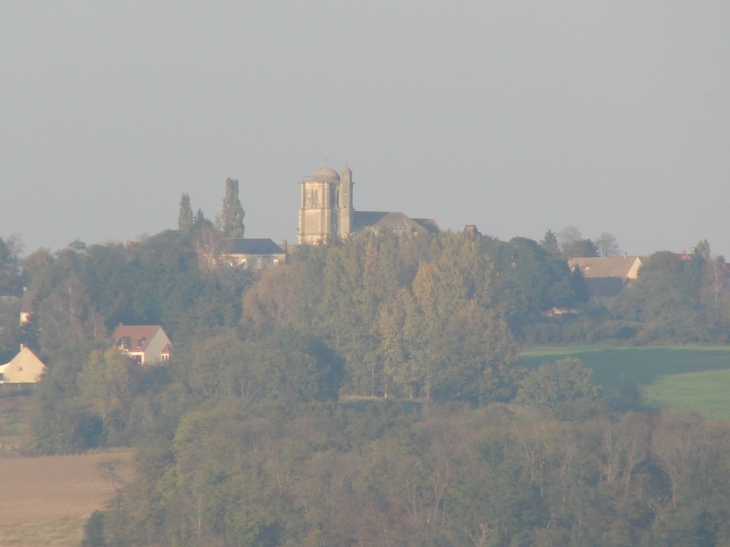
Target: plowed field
(45,501)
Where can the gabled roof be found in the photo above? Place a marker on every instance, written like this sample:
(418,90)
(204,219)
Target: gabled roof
(135,337)
(27,304)
(429,224)
(397,221)
(25,367)
(363,220)
(623,267)
(252,246)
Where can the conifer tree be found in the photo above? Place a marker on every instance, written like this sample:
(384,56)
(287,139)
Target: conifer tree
(233,213)
(185,218)
(200,221)
(550,243)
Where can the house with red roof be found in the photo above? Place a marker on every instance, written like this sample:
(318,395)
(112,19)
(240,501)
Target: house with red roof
(146,344)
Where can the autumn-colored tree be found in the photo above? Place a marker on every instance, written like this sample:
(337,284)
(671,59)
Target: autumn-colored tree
(107,386)
(67,315)
(554,383)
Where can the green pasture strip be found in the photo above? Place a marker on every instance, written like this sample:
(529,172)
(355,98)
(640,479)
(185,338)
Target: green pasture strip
(644,365)
(706,392)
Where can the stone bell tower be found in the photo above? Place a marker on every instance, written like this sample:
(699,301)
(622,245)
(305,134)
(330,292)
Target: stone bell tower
(326,207)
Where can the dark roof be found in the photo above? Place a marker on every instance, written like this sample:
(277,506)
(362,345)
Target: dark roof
(250,246)
(429,224)
(27,305)
(363,220)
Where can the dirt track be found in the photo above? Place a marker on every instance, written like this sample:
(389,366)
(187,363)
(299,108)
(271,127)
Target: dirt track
(36,490)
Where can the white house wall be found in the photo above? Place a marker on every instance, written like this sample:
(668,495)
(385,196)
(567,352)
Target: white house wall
(153,351)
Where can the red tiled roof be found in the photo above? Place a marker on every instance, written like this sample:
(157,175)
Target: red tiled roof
(135,337)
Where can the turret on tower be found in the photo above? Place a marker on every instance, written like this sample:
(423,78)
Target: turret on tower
(345,205)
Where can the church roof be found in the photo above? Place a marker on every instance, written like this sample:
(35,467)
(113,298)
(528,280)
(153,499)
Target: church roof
(364,220)
(252,246)
(429,224)
(326,174)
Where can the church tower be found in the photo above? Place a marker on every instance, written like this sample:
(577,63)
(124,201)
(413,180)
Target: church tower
(326,206)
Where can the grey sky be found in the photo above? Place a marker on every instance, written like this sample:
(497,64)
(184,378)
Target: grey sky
(516,116)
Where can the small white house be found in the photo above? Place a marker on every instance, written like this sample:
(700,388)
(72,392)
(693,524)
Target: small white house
(25,368)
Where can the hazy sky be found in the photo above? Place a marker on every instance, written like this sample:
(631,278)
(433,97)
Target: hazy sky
(516,116)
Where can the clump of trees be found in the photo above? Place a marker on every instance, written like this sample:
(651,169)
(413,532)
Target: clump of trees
(680,300)
(325,474)
(229,222)
(11,289)
(570,243)
(422,316)
(244,437)
(676,299)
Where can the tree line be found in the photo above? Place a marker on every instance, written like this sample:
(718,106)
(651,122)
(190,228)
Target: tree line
(384,473)
(368,392)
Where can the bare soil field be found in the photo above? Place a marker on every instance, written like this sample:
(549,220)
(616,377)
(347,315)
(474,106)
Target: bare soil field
(46,500)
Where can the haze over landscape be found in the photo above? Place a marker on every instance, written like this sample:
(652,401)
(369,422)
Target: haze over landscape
(518,117)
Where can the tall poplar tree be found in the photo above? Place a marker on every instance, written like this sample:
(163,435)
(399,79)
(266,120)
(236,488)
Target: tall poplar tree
(233,213)
(185,218)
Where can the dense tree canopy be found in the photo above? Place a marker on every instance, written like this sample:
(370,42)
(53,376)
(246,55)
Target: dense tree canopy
(370,392)
(327,474)
(391,306)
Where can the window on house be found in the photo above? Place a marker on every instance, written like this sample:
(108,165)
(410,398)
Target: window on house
(259,263)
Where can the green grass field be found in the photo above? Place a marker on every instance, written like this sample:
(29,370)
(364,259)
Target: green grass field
(694,377)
